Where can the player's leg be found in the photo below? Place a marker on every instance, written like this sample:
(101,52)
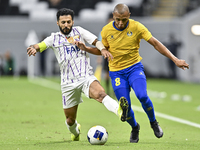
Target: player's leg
(140,88)
(137,80)
(72,125)
(71,97)
(93,89)
(134,137)
(122,90)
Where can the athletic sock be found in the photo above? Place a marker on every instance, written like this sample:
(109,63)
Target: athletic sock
(73,129)
(149,109)
(131,119)
(111,104)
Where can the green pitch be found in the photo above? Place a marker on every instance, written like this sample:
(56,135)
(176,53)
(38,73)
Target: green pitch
(32,118)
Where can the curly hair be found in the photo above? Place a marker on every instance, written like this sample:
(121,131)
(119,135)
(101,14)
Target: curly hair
(65,11)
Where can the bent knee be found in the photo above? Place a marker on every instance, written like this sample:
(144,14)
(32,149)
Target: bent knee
(100,96)
(70,121)
(142,98)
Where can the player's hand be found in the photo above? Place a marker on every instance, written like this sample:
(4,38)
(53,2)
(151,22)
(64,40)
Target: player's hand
(182,64)
(80,45)
(106,54)
(31,51)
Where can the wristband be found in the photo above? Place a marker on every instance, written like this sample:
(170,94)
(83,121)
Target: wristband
(100,45)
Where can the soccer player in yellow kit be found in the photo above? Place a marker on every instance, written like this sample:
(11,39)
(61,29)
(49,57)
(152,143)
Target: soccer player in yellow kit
(122,38)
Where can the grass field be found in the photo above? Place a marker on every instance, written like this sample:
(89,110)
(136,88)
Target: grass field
(32,118)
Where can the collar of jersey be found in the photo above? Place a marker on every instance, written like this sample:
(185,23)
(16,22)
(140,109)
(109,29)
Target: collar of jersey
(119,29)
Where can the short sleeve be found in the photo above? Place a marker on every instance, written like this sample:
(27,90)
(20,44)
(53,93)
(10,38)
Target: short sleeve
(144,32)
(42,46)
(87,36)
(49,40)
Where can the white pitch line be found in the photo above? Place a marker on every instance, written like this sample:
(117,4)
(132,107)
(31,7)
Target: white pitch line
(46,83)
(56,86)
(168,117)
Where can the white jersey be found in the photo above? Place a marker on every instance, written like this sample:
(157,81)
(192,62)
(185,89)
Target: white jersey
(74,63)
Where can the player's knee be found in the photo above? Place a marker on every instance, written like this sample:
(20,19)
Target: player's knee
(70,121)
(142,97)
(101,95)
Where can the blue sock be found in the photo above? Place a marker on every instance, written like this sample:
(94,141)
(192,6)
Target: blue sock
(131,119)
(149,109)
(140,89)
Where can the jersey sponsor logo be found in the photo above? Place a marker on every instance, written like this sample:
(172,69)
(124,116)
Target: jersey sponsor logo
(112,37)
(129,33)
(71,49)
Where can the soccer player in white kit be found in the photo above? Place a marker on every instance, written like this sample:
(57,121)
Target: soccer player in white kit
(75,70)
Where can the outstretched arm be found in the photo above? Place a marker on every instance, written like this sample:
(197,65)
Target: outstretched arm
(33,49)
(164,51)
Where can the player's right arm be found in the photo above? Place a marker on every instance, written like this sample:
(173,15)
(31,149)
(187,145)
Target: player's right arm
(33,49)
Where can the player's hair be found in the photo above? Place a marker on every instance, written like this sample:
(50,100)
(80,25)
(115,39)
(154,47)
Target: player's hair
(65,11)
(121,8)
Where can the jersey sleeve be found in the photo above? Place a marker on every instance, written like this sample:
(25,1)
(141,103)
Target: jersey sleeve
(87,36)
(42,46)
(144,34)
(46,43)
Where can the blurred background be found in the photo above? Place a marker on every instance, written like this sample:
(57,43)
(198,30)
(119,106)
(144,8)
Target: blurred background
(175,23)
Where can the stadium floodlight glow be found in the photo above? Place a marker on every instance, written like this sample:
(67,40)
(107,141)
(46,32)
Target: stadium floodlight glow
(195,29)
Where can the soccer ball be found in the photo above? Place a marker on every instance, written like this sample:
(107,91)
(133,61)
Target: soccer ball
(97,135)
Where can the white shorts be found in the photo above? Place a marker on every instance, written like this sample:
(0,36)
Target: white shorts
(71,93)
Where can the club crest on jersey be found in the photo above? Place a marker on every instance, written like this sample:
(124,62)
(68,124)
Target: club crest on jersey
(70,39)
(129,33)
(112,37)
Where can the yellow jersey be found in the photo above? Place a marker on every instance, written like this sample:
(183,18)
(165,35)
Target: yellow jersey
(124,44)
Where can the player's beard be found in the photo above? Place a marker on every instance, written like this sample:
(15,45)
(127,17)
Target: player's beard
(66,30)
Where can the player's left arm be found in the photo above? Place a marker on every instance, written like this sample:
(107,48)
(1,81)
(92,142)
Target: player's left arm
(164,51)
